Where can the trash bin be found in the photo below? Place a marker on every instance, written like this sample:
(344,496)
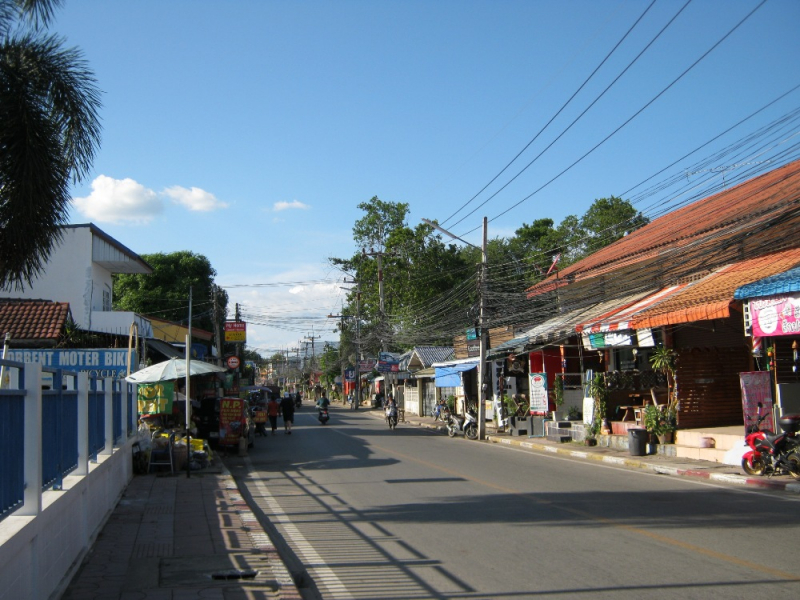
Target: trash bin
(637,442)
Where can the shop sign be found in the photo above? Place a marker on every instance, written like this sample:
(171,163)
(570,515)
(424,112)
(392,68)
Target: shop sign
(349,374)
(473,349)
(756,388)
(775,316)
(231,415)
(155,398)
(235,331)
(538,390)
(365,366)
(472,334)
(98,362)
(388,367)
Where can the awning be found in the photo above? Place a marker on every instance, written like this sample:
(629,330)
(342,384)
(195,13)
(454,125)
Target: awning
(563,326)
(712,296)
(164,348)
(449,374)
(618,319)
(787,282)
(511,346)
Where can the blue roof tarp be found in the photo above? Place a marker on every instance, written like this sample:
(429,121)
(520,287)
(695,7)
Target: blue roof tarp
(450,375)
(787,282)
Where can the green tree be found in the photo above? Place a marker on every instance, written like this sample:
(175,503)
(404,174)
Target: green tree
(607,220)
(165,293)
(49,132)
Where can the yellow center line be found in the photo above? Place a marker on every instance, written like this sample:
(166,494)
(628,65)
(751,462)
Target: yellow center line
(606,521)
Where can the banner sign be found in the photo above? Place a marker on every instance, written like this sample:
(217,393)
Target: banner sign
(757,388)
(365,366)
(156,398)
(538,390)
(235,331)
(98,362)
(231,415)
(778,315)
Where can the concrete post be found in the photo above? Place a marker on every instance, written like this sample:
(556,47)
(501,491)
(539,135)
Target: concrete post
(108,390)
(83,424)
(32,453)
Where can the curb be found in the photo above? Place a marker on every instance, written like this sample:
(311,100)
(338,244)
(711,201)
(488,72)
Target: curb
(632,463)
(287,589)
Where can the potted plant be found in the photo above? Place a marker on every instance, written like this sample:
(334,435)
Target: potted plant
(574,414)
(558,394)
(660,421)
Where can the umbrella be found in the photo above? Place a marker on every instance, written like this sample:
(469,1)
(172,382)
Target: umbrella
(174,368)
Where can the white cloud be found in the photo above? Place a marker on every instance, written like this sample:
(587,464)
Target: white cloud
(194,198)
(119,201)
(294,204)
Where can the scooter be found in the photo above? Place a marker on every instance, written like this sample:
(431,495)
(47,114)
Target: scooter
(323,415)
(391,416)
(771,453)
(466,425)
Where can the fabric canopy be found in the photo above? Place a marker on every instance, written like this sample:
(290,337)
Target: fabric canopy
(449,375)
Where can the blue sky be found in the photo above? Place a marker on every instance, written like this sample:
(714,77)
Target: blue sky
(249,131)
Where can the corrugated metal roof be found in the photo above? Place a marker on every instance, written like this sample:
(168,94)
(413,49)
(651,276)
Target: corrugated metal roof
(431,354)
(787,282)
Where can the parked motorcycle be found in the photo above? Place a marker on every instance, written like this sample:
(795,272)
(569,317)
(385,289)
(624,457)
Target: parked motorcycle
(466,425)
(391,416)
(773,453)
(323,415)
(441,412)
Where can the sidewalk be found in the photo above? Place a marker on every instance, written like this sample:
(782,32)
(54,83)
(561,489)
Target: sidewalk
(172,537)
(665,465)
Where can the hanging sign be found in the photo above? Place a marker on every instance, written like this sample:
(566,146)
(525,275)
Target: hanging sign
(155,398)
(235,331)
(538,390)
(775,316)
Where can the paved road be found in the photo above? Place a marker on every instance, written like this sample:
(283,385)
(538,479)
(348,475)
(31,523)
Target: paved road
(370,513)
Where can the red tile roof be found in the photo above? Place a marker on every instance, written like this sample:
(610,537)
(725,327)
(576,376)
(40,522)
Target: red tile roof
(41,321)
(747,208)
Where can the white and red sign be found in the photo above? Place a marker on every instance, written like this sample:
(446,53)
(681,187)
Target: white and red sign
(538,390)
(233,362)
(779,315)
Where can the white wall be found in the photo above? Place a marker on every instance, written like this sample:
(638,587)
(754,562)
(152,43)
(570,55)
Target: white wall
(67,276)
(39,554)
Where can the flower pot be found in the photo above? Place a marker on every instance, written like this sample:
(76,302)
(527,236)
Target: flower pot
(666,437)
(590,442)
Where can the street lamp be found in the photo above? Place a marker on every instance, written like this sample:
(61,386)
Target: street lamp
(481,324)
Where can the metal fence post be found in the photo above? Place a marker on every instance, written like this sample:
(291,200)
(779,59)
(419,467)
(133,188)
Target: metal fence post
(83,424)
(32,458)
(108,393)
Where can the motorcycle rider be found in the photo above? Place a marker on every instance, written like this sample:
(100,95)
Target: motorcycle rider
(322,403)
(391,411)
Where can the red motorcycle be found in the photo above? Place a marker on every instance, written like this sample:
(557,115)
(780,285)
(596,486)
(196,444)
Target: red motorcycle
(773,453)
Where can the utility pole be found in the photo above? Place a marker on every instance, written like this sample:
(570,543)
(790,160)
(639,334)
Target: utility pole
(484,333)
(388,377)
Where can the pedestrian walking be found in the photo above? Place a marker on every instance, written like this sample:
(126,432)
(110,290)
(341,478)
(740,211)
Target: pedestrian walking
(287,410)
(273,408)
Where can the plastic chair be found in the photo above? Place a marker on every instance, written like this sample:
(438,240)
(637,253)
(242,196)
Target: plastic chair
(163,456)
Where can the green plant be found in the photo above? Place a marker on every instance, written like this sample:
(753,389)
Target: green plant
(558,391)
(451,403)
(659,419)
(573,413)
(598,390)
(664,360)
